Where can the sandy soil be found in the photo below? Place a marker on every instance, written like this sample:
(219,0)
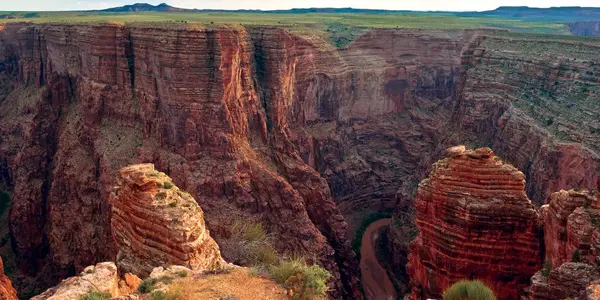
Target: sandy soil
(376,283)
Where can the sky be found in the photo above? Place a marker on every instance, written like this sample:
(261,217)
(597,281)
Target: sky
(446,5)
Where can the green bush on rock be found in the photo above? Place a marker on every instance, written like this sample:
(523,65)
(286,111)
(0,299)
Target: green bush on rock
(468,290)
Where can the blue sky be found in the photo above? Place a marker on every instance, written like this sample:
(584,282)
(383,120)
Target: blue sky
(454,5)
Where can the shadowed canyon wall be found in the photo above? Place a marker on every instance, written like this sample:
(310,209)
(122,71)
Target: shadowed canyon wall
(261,124)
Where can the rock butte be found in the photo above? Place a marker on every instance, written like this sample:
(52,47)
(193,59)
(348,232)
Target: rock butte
(266,125)
(476,222)
(155,224)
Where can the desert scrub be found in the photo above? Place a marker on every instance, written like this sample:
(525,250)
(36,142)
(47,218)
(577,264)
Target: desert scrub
(305,281)
(167,185)
(149,284)
(95,295)
(468,289)
(576,257)
(250,245)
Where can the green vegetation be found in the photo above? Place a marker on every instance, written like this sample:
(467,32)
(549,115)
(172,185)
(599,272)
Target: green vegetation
(250,245)
(360,231)
(167,185)
(339,29)
(182,273)
(468,290)
(306,281)
(95,295)
(547,268)
(4,202)
(576,256)
(148,285)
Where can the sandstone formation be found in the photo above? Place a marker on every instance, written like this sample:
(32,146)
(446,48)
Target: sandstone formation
(476,222)
(572,240)
(569,281)
(7,292)
(267,125)
(154,224)
(570,223)
(101,277)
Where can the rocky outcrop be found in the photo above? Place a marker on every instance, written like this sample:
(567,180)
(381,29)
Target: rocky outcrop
(569,281)
(155,224)
(101,277)
(7,292)
(571,226)
(474,221)
(572,240)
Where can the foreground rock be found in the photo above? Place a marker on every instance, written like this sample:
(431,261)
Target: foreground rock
(7,292)
(155,224)
(571,227)
(572,241)
(476,222)
(101,277)
(569,281)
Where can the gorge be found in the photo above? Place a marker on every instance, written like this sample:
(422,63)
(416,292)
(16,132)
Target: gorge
(262,124)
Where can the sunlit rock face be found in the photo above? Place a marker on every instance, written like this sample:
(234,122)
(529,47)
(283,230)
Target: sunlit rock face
(474,221)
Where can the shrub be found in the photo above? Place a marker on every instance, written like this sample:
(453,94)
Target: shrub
(181,290)
(576,257)
(468,289)
(158,295)
(149,284)
(254,232)
(250,245)
(306,281)
(182,273)
(547,268)
(167,185)
(95,295)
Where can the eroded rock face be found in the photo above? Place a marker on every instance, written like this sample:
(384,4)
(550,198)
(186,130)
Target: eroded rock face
(155,224)
(572,240)
(569,281)
(7,292)
(570,226)
(474,221)
(101,277)
(85,101)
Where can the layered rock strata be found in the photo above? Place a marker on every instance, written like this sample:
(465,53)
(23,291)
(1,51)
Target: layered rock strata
(101,277)
(569,281)
(156,224)
(234,114)
(475,221)
(572,239)
(7,292)
(570,221)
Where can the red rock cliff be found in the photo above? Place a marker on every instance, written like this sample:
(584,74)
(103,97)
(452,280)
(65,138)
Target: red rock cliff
(209,107)
(474,221)
(572,240)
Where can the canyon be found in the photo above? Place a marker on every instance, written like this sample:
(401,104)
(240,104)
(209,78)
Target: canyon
(262,124)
